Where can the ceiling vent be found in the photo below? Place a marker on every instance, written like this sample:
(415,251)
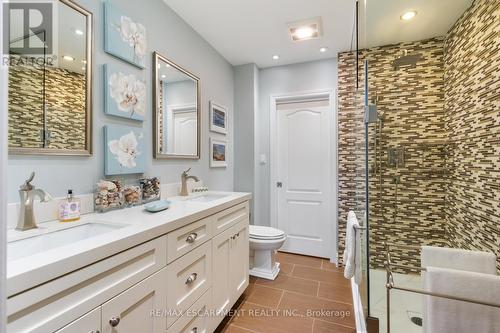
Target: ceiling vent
(305,29)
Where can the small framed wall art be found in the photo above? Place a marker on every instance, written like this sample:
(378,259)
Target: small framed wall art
(218,153)
(218,118)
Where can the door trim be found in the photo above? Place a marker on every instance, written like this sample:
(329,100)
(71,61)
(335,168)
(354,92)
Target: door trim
(306,96)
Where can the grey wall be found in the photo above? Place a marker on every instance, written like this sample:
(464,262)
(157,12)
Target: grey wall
(301,77)
(246,82)
(172,37)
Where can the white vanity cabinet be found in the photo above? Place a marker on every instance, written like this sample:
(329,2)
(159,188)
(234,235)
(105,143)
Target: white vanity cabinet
(138,309)
(230,268)
(89,323)
(167,284)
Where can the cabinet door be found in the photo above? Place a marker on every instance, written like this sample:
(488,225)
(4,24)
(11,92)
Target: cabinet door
(221,290)
(239,260)
(138,309)
(89,323)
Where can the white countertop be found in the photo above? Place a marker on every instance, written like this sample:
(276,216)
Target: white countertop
(141,226)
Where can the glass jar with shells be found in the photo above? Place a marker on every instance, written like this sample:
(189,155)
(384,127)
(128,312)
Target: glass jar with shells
(150,189)
(108,195)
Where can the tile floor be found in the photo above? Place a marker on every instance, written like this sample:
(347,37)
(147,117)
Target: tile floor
(309,295)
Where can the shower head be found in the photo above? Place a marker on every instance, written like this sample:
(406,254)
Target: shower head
(407,60)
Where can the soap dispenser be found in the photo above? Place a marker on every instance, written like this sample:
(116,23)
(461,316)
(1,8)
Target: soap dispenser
(69,208)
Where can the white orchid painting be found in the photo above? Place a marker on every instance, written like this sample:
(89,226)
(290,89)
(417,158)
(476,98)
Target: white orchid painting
(123,37)
(124,147)
(125,94)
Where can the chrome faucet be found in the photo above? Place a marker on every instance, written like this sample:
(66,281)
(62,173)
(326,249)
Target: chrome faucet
(27,194)
(184,177)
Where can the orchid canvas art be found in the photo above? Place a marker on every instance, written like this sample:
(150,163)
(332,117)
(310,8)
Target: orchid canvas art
(124,94)
(124,150)
(123,37)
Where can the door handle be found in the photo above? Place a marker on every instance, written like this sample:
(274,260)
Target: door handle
(279,184)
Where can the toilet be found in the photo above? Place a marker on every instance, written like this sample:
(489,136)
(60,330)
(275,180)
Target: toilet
(264,242)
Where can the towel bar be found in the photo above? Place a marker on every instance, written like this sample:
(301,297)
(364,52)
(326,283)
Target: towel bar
(390,282)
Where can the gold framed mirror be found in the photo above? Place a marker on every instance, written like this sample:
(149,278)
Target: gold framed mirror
(176,111)
(50,93)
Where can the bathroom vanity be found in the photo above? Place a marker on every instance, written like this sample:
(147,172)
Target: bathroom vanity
(132,271)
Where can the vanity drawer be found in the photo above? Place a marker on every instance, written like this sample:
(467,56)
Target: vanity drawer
(50,306)
(196,319)
(189,277)
(230,217)
(183,240)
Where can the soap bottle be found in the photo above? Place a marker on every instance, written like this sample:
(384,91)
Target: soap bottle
(69,208)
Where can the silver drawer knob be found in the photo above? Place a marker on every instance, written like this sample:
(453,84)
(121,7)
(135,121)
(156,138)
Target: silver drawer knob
(191,278)
(192,237)
(114,321)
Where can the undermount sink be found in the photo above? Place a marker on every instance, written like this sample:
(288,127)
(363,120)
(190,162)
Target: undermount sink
(40,243)
(208,197)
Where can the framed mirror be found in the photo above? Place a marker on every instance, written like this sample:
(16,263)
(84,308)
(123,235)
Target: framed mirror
(176,111)
(50,91)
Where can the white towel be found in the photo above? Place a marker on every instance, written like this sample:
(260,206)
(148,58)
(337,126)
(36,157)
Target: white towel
(352,252)
(445,315)
(472,261)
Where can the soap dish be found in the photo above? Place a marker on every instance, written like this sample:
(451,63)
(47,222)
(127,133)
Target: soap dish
(157,206)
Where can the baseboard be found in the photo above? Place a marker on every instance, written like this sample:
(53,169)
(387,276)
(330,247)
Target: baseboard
(359,314)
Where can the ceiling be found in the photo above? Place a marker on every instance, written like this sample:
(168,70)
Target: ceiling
(434,18)
(252,31)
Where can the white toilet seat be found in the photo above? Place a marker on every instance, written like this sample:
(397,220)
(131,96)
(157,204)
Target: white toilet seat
(265,233)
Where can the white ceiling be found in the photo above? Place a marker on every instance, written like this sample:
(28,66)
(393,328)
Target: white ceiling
(252,31)
(434,18)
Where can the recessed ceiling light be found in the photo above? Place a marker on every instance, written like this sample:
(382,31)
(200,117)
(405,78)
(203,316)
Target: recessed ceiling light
(168,65)
(306,29)
(304,32)
(83,68)
(68,58)
(84,61)
(159,66)
(79,32)
(323,49)
(276,57)
(163,76)
(408,15)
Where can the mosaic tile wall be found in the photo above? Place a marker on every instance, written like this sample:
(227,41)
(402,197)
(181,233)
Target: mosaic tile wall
(445,130)
(472,104)
(65,98)
(407,194)
(351,143)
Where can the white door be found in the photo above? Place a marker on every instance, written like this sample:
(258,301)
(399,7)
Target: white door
(185,127)
(303,177)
